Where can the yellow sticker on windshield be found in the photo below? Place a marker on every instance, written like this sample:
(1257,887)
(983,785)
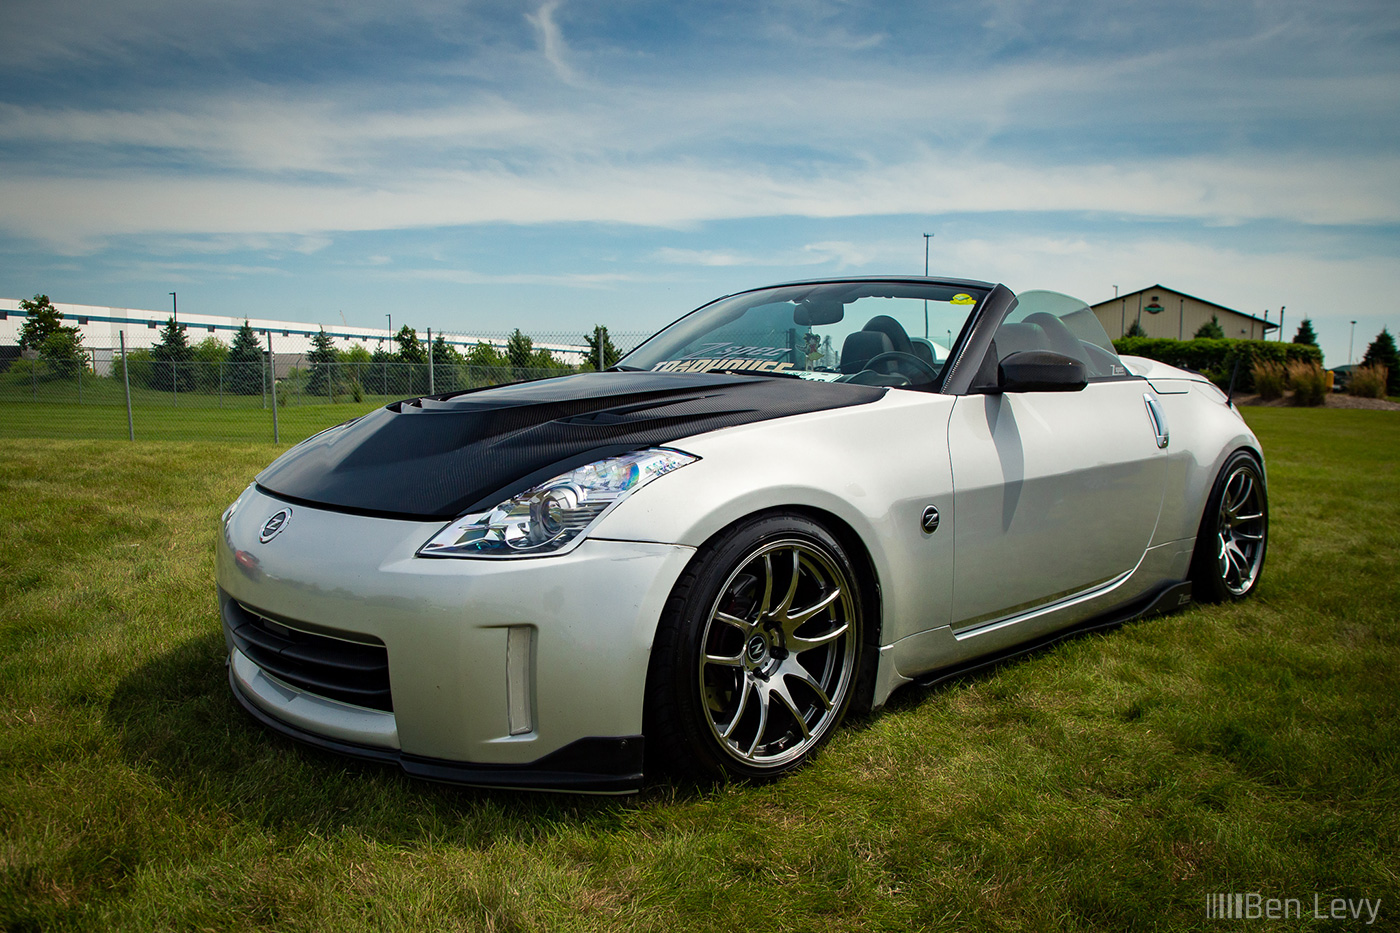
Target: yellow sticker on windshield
(962,299)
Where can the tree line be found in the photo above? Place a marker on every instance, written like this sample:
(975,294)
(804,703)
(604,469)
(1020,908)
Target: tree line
(173,364)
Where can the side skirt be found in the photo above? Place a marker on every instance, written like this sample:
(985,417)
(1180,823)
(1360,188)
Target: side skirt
(1166,600)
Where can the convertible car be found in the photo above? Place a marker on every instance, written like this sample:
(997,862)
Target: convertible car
(782,507)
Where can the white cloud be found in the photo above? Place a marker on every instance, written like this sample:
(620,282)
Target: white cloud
(840,255)
(72,211)
(555,48)
(469,277)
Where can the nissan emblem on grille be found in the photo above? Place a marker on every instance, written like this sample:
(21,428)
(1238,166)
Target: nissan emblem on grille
(274,525)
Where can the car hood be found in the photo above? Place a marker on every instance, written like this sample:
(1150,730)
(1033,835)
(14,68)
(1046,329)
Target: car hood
(442,456)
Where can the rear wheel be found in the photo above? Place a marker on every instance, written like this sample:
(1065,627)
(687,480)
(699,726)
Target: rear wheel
(1234,533)
(756,655)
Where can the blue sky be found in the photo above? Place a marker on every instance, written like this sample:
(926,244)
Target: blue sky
(477,166)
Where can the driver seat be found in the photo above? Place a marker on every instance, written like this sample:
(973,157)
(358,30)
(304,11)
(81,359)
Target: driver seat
(899,338)
(861,347)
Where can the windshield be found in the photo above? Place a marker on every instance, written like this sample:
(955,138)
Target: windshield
(872,333)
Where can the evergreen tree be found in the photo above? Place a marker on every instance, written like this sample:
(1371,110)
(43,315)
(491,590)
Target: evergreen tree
(411,379)
(1382,352)
(520,351)
(171,370)
(1136,330)
(244,372)
(447,366)
(1210,330)
(321,381)
(444,355)
(610,353)
(43,332)
(383,375)
(1305,333)
(410,348)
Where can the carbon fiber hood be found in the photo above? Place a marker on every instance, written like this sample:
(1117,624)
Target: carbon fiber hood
(442,456)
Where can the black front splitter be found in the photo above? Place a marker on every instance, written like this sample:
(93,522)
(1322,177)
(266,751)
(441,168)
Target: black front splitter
(592,765)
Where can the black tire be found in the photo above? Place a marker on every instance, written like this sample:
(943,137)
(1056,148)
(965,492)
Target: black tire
(742,684)
(1234,534)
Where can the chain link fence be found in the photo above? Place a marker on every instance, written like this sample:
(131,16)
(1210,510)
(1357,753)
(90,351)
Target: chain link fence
(283,390)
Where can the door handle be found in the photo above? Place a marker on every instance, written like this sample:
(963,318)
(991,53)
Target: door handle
(1158,419)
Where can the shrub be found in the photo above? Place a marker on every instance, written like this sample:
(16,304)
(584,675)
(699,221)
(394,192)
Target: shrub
(1309,383)
(1269,379)
(1216,358)
(1368,381)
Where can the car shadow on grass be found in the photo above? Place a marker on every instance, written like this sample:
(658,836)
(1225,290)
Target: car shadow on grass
(176,719)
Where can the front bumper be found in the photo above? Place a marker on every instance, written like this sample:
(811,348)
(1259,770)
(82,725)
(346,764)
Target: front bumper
(502,673)
(597,765)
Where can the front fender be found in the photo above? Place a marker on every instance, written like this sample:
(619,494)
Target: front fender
(876,467)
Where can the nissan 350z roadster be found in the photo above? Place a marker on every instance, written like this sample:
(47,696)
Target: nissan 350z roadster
(779,509)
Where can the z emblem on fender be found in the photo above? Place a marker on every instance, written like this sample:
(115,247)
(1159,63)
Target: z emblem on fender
(274,525)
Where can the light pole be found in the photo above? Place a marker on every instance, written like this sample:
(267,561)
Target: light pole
(1280,321)
(175,308)
(927,237)
(1351,342)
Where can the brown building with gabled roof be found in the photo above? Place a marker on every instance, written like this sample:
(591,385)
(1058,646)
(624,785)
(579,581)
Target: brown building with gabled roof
(1166,312)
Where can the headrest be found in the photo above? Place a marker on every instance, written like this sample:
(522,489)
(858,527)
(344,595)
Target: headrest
(899,338)
(862,346)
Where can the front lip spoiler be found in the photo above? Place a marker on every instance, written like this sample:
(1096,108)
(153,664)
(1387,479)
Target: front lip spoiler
(592,765)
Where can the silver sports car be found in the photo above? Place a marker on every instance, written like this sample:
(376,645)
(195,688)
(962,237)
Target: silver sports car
(783,506)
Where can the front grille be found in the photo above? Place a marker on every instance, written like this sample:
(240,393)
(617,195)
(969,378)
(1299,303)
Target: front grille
(351,671)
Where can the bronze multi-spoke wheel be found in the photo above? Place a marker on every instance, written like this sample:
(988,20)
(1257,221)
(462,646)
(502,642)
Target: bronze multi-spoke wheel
(756,658)
(1234,532)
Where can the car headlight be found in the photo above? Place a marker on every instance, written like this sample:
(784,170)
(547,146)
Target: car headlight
(547,518)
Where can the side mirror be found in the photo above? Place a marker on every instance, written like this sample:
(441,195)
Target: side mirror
(1041,371)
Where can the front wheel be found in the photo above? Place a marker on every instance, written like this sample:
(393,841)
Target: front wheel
(1234,532)
(757,652)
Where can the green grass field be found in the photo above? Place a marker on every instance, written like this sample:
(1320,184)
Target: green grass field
(53,409)
(205,423)
(1109,783)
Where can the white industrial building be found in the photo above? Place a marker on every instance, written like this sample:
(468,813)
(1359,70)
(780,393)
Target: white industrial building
(103,328)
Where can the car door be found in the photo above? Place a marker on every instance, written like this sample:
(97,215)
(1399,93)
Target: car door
(1055,492)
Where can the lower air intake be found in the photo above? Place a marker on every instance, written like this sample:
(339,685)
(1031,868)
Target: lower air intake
(350,671)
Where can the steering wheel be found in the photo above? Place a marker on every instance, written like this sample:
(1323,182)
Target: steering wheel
(900,357)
